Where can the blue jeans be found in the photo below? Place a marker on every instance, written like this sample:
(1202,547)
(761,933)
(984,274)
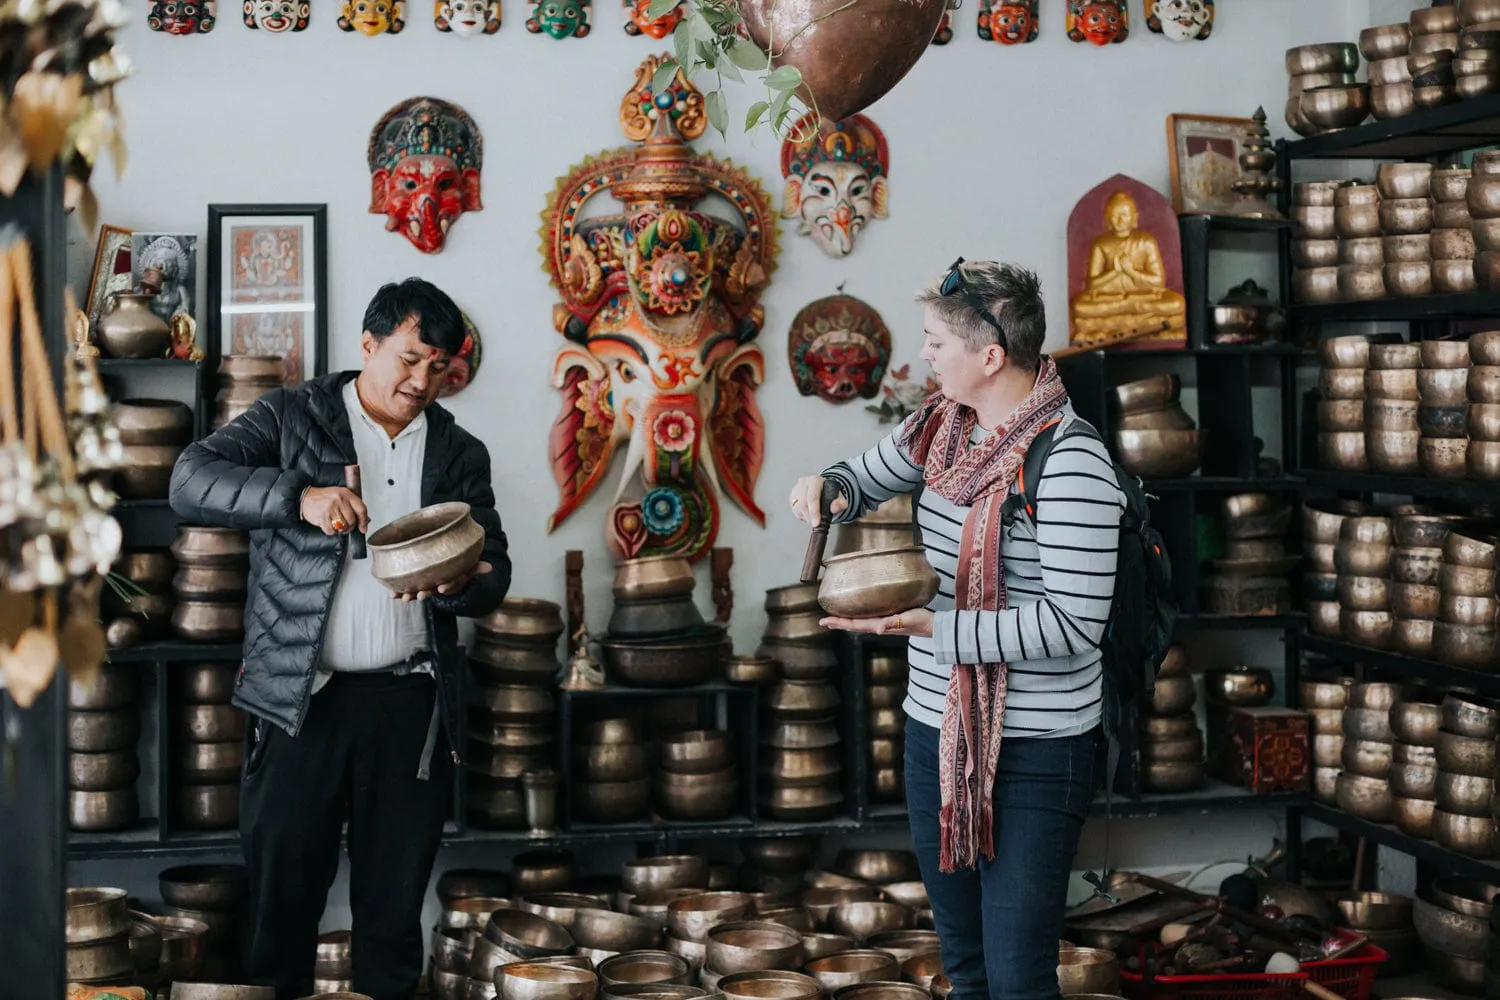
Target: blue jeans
(999,925)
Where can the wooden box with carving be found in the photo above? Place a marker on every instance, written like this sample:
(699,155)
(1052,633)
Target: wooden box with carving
(1267,750)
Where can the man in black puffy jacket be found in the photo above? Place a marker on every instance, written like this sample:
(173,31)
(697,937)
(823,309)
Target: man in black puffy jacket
(353,692)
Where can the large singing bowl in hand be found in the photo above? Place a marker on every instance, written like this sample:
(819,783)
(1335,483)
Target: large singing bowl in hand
(850,52)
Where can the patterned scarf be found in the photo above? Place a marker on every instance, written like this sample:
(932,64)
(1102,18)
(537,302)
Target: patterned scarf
(977,476)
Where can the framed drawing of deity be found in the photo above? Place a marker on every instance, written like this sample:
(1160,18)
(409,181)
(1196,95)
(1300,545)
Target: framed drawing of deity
(111,273)
(268,285)
(1204,152)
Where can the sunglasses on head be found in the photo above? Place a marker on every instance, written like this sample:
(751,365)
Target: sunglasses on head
(953,284)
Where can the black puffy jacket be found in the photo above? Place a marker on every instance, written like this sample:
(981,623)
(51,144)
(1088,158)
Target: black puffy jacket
(250,475)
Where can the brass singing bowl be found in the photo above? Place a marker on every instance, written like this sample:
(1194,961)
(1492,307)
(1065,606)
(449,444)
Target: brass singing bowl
(1327,720)
(811,735)
(545,981)
(103,772)
(768,984)
(802,768)
(197,545)
(802,700)
(1466,581)
(1467,548)
(1363,593)
(822,902)
(884,695)
(152,422)
(798,920)
(1318,193)
(1316,284)
(858,966)
(210,583)
(1378,695)
(750,945)
(1328,749)
(1242,686)
(210,763)
(820,945)
(801,661)
(471,912)
(1310,253)
(103,732)
(1159,453)
(754,670)
(1367,758)
(1316,222)
(1413,816)
(426,548)
(697,797)
(112,687)
(1407,278)
(800,626)
(1365,797)
(612,801)
(642,968)
(653,577)
(1396,249)
(882,991)
(778,855)
(1464,794)
(1322,519)
(1475,82)
(1374,911)
(1414,601)
(1401,181)
(692,916)
(1450,245)
(1466,755)
(517,703)
(667,871)
(1319,694)
(1325,785)
(1325,57)
(1450,184)
(1392,100)
(1465,717)
(526,935)
(1184,749)
(1461,609)
(1463,645)
(1448,931)
(1323,618)
(558,907)
(524,618)
(922,969)
(607,930)
(1484,383)
(1484,460)
(1147,395)
(1087,970)
(1341,415)
(875,584)
(906,944)
(1484,421)
(879,867)
(1416,721)
(1451,277)
(208,807)
(697,751)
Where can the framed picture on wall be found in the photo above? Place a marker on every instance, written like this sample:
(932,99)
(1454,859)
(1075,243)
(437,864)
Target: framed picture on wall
(1205,156)
(268,285)
(111,270)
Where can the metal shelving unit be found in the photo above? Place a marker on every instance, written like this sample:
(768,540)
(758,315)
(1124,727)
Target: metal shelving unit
(1388,836)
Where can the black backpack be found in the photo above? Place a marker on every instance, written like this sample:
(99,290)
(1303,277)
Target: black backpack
(1141,615)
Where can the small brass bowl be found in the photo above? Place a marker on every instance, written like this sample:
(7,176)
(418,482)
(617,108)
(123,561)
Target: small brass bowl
(1316,193)
(1443,457)
(1367,798)
(1315,222)
(1403,180)
(1410,247)
(1315,252)
(1363,593)
(751,945)
(792,599)
(1484,460)
(1328,750)
(668,871)
(862,919)
(1465,794)
(1416,722)
(1412,636)
(1444,385)
(1375,911)
(1465,717)
(1466,755)
(524,618)
(698,751)
(858,966)
(145,470)
(1342,383)
(653,577)
(1413,781)
(1157,453)
(1393,100)
(1147,395)
(1324,57)
(1463,645)
(1434,21)
(152,422)
(1470,548)
(1418,567)
(1323,618)
(1088,970)
(1452,244)
(1367,628)
(1451,277)
(426,548)
(1461,609)
(1397,383)
(607,930)
(1401,216)
(1316,284)
(1367,758)
(1367,250)
(1468,835)
(875,584)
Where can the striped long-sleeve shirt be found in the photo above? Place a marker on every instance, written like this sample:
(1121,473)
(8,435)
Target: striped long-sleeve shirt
(1059,575)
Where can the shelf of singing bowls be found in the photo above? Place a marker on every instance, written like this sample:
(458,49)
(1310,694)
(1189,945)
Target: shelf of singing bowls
(1243,687)
(205,621)
(679,661)
(152,422)
(208,807)
(697,798)
(654,617)
(1170,777)
(751,670)
(545,981)
(198,545)
(753,945)
(494,663)
(1158,454)
(809,804)
(653,577)
(526,620)
(513,703)
(426,548)
(875,584)
(801,661)
(855,966)
(1087,970)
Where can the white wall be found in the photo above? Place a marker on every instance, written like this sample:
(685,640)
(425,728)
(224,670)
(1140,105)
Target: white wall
(990,150)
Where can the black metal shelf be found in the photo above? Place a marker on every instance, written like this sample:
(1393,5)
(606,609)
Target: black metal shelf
(1429,132)
(178,651)
(1465,490)
(1214,796)
(1207,622)
(1269,350)
(1388,836)
(1227,484)
(141,364)
(1442,674)
(1458,306)
(1236,223)
(155,503)
(145,840)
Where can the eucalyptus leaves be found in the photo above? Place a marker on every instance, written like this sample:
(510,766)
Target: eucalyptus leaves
(710,37)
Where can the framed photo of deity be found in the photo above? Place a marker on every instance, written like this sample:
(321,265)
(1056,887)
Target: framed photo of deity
(268,285)
(1204,151)
(111,273)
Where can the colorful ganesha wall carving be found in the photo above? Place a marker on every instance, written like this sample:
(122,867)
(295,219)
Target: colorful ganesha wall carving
(660,304)
(425,155)
(835,180)
(839,348)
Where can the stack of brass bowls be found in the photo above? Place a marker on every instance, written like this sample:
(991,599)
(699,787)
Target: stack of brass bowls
(778,864)
(214,896)
(152,434)
(1391,429)
(1312,66)
(1483,396)
(213,566)
(654,599)
(333,970)
(612,782)
(1342,407)
(1414,721)
(1453,919)
(1416,565)
(1464,634)
(1154,436)
(1483,198)
(1465,818)
(1362,557)
(1384,47)
(1171,742)
(1251,579)
(209,747)
(103,726)
(98,937)
(1322,521)
(1315,245)
(1443,409)
(142,608)
(1405,225)
(514,660)
(1357,220)
(514,935)
(802,649)
(1476,67)
(801,766)
(885,676)
(1325,701)
(890,525)
(697,779)
(1386,920)
(1364,787)
(244,378)
(1452,240)
(1429,56)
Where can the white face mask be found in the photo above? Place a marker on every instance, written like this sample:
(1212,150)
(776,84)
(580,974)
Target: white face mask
(1182,20)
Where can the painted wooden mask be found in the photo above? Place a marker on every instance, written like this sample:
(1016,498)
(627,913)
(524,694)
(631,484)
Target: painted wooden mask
(277,16)
(1181,20)
(373,17)
(1102,22)
(835,180)
(467,17)
(839,349)
(638,19)
(1009,22)
(560,18)
(183,17)
(425,156)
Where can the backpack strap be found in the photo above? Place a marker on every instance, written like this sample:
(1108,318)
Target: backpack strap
(1030,474)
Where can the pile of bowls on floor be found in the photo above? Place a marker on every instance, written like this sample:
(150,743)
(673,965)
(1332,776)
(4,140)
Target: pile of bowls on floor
(1251,578)
(1386,920)
(1311,68)
(209,747)
(656,635)
(103,765)
(1325,701)
(213,567)
(1154,436)
(1452,241)
(1171,742)
(612,772)
(213,897)
(885,687)
(244,378)
(153,433)
(1364,787)
(1455,919)
(1467,812)
(141,609)
(514,729)
(98,932)
(697,779)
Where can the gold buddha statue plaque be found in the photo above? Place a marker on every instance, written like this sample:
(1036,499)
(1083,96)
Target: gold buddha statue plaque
(1125,268)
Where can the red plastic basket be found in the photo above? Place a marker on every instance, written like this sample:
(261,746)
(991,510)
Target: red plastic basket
(1351,977)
